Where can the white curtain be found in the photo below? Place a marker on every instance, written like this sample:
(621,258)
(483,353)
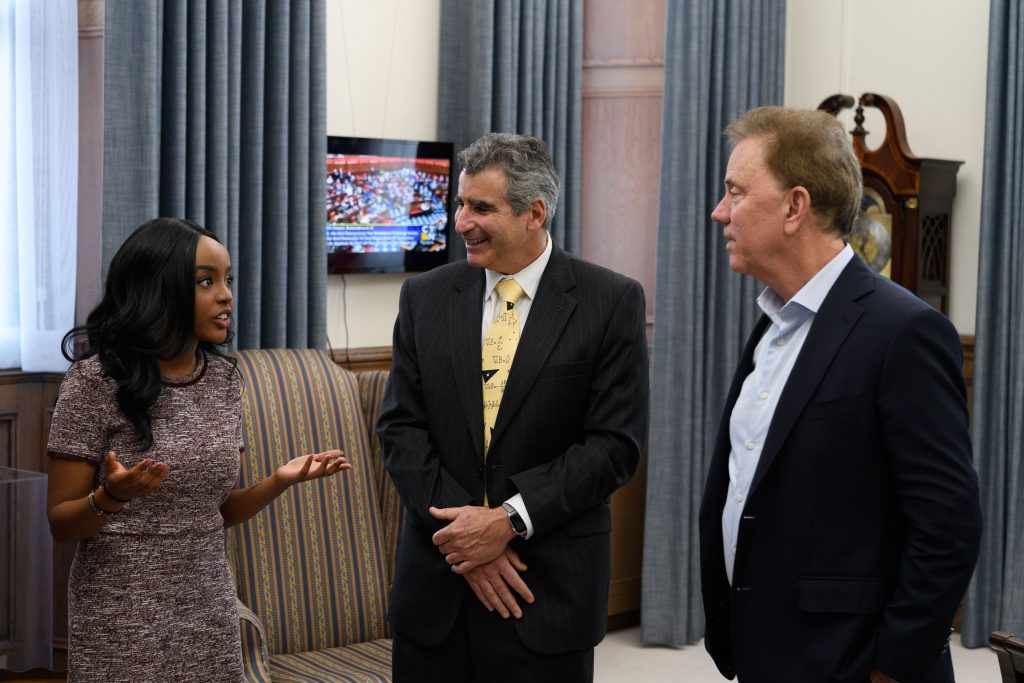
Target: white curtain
(38,180)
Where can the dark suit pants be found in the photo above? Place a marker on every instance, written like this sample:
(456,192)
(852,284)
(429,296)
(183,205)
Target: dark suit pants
(484,648)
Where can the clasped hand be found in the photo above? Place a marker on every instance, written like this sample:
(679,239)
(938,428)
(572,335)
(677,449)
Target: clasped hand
(474,536)
(475,544)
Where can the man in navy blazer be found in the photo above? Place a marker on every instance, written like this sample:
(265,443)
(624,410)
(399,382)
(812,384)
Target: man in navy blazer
(840,522)
(503,566)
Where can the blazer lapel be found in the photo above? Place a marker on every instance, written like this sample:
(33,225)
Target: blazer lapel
(833,322)
(549,314)
(717,484)
(745,367)
(465,320)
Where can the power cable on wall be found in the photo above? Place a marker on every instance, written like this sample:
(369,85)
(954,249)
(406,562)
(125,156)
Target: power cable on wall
(344,320)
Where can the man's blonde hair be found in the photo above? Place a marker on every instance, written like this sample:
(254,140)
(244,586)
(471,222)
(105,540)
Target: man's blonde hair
(808,148)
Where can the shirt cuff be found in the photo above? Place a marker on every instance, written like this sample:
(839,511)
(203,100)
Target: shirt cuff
(516,501)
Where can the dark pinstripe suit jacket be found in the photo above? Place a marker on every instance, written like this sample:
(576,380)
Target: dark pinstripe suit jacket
(570,430)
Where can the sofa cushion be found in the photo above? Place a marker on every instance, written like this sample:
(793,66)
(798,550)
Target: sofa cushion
(360,663)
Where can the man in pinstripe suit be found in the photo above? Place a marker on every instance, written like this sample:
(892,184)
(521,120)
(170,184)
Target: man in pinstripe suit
(503,568)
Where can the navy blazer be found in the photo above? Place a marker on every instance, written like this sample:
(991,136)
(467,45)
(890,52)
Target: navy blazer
(862,525)
(570,430)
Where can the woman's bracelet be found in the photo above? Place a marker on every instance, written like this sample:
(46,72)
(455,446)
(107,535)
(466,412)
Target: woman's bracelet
(97,509)
(110,495)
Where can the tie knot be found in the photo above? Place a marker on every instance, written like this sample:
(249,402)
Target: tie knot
(509,290)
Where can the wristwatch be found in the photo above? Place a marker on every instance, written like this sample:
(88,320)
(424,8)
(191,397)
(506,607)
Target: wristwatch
(518,525)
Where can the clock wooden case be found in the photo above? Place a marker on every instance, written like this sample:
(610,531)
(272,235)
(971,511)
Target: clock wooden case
(904,230)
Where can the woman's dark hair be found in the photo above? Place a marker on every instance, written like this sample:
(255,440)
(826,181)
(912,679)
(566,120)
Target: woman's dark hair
(147,314)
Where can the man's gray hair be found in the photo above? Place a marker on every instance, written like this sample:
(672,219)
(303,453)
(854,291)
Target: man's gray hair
(529,171)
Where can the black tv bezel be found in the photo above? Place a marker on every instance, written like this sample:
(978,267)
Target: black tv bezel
(339,263)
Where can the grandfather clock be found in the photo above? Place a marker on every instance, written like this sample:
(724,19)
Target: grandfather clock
(904,229)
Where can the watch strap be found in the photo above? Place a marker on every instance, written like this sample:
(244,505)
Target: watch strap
(515,521)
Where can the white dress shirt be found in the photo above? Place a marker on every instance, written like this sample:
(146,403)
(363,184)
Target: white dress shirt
(774,357)
(529,279)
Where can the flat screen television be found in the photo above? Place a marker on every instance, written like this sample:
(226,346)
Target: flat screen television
(388,205)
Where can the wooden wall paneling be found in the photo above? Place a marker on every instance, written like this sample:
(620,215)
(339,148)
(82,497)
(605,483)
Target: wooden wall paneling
(623,75)
(624,31)
(20,411)
(8,429)
(27,401)
(619,201)
(364,358)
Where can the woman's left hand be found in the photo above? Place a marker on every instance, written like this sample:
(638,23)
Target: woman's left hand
(314,466)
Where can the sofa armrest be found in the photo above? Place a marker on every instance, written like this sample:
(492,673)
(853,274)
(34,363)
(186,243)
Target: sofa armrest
(255,657)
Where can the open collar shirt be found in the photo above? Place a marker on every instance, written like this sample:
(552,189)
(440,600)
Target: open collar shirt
(774,357)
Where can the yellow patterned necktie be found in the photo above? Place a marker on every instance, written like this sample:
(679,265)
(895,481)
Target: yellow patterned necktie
(498,350)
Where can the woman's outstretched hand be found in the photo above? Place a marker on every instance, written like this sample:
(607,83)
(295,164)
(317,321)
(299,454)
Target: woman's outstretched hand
(309,467)
(138,482)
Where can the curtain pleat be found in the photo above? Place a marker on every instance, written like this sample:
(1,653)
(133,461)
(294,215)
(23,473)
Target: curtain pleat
(721,58)
(38,181)
(534,86)
(215,111)
(995,598)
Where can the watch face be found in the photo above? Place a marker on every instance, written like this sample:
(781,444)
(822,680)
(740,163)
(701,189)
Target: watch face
(518,525)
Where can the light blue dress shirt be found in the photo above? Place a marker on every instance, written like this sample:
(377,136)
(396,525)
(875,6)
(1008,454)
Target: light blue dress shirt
(774,357)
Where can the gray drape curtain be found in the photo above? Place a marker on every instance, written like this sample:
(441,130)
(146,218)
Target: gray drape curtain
(721,58)
(515,66)
(216,111)
(995,599)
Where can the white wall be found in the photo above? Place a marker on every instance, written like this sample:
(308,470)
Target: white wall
(382,69)
(930,56)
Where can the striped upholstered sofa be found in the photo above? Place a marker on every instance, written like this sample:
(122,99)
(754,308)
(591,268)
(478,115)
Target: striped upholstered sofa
(313,571)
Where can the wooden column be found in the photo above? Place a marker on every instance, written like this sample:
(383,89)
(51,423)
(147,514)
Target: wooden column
(623,74)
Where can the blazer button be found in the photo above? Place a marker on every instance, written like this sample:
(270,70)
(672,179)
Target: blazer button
(479,472)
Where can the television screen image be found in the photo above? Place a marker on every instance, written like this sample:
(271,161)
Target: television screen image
(388,205)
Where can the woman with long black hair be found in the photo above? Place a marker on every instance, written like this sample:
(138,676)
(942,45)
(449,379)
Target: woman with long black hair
(144,457)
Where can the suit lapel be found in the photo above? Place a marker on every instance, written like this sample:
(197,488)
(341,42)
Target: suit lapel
(835,319)
(744,368)
(465,320)
(549,314)
(717,483)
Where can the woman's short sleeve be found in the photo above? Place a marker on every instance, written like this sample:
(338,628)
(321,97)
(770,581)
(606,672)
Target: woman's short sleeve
(85,407)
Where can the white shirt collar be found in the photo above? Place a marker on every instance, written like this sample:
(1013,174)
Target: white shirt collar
(812,294)
(528,278)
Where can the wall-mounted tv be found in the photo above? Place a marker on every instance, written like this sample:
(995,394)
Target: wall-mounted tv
(388,205)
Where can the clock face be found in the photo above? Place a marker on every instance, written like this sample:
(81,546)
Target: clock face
(871,237)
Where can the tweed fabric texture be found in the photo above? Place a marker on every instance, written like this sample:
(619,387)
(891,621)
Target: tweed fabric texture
(153,584)
(311,566)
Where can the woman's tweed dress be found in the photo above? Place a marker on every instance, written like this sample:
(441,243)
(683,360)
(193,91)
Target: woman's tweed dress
(150,597)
